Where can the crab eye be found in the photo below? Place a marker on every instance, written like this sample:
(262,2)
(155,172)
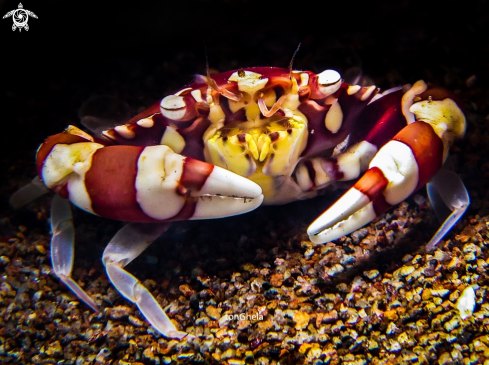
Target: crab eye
(329,81)
(173,107)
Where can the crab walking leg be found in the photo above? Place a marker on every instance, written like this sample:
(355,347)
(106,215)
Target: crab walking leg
(450,200)
(400,168)
(126,245)
(63,245)
(28,193)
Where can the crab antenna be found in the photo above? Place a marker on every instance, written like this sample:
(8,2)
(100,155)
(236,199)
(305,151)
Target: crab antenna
(209,81)
(293,57)
(207,72)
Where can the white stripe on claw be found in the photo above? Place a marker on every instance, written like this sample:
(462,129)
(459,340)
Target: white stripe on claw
(159,171)
(221,206)
(399,166)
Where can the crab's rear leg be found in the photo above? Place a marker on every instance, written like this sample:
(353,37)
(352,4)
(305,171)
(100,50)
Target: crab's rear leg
(449,199)
(399,168)
(63,247)
(28,193)
(126,245)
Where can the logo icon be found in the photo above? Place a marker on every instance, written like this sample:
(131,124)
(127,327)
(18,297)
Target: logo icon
(20,17)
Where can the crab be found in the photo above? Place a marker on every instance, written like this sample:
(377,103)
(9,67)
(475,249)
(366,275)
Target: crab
(230,142)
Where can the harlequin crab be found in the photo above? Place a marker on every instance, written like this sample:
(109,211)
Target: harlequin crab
(228,143)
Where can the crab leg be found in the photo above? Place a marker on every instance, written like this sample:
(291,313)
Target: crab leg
(126,245)
(450,200)
(28,193)
(62,247)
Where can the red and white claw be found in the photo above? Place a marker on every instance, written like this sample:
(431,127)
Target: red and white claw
(142,184)
(400,167)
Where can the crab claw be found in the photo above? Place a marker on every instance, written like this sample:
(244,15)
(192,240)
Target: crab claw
(352,211)
(142,184)
(399,168)
(223,193)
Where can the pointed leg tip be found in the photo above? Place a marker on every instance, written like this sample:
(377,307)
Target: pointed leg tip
(178,335)
(79,292)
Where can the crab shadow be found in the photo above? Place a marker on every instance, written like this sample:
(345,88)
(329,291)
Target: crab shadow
(194,252)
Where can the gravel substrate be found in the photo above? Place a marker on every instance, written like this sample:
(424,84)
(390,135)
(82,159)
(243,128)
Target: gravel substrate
(373,297)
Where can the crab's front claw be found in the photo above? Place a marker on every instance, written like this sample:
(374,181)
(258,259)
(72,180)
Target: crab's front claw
(223,193)
(141,184)
(352,211)
(399,168)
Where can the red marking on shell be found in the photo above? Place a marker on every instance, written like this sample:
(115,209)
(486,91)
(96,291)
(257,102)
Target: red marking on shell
(315,114)
(194,144)
(203,109)
(195,174)
(383,119)
(427,148)
(380,205)
(373,184)
(304,93)
(241,137)
(273,136)
(110,183)
(187,211)
(354,111)
(331,168)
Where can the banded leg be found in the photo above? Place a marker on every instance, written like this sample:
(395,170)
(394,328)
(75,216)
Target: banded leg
(126,245)
(318,172)
(63,247)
